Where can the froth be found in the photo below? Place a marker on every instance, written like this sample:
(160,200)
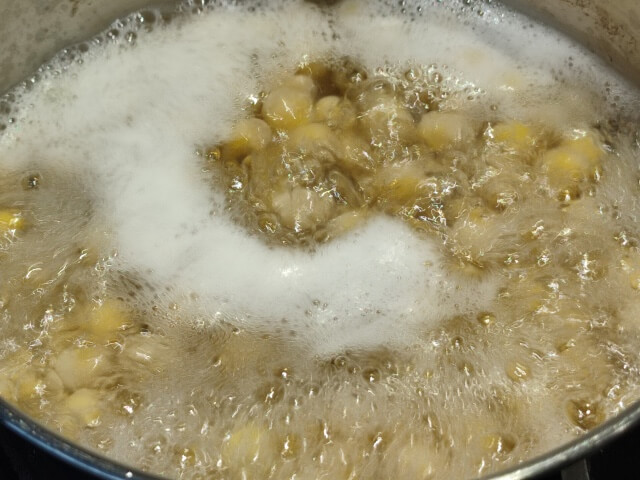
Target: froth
(129,120)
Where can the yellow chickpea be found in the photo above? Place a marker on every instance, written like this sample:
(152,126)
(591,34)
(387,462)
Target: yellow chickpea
(400,185)
(285,108)
(84,406)
(441,130)
(249,447)
(248,135)
(514,136)
(106,321)
(11,220)
(576,160)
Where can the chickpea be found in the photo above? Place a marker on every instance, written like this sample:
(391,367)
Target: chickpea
(575,161)
(475,234)
(248,444)
(566,169)
(441,130)
(335,112)
(105,322)
(248,135)
(587,144)
(84,406)
(417,460)
(344,222)
(313,136)
(81,366)
(401,184)
(501,191)
(325,108)
(301,82)
(146,349)
(28,388)
(354,154)
(285,108)
(515,136)
(388,119)
(300,208)
(11,220)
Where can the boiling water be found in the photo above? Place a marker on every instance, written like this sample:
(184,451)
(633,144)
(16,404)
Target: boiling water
(362,355)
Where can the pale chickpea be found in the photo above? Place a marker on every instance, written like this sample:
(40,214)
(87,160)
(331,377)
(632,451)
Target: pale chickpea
(81,366)
(84,406)
(354,154)
(440,130)
(301,208)
(249,446)
(475,234)
(301,82)
(146,349)
(250,134)
(388,119)
(335,111)
(501,191)
(417,459)
(345,222)
(313,136)
(325,107)
(28,385)
(285,108)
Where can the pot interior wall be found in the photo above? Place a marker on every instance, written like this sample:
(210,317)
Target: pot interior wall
(32,30)
(609,28)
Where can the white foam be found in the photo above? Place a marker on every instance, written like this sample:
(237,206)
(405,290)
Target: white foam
(131,119)
(134,134)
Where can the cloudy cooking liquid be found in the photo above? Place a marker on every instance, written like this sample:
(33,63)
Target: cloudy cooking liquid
(369,323)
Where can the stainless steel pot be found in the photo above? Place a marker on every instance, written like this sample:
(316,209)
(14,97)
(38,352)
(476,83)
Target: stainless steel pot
(31,31)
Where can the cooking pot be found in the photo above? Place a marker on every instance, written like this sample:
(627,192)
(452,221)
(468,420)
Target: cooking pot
(31,31)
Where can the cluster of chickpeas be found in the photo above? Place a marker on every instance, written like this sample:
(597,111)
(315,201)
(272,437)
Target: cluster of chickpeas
(322,150)
(71,376)
(65,344)
(331,143)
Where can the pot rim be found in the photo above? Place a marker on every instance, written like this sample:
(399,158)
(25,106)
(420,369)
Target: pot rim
(71,454)
(93,463)
(575,450)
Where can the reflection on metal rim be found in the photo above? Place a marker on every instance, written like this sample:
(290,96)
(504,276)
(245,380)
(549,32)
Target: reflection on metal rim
(53,444)
(571,452)
(101,467)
